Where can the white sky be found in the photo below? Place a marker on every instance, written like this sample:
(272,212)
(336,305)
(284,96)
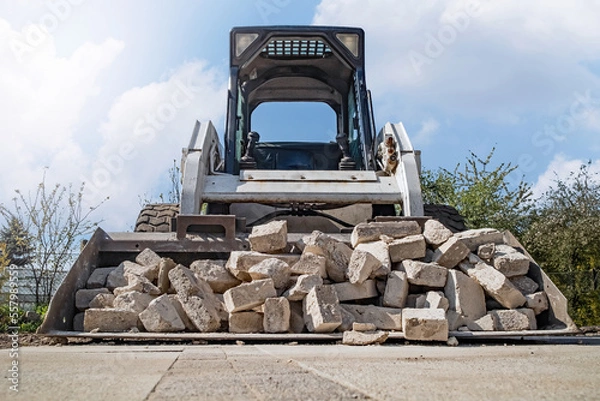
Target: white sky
(109,93)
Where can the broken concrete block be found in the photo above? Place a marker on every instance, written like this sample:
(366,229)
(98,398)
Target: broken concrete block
(348,320)
(424,324)
(524,284)
(277,315)
(383,318)
(116,278)
(215,274)
(411,300)
(84,296)
(269,238)
(476,237)
(321,309)
(353,337)
(510,262)
(240,261)
(98,277)
(515,319)
(486,251)
(246,322)
(450,253)
(425,274)
(248,295)
(147,258)
(362,264)
(495,284)
(303,285)
(310,263)
(137,283)
(109,320)
(433,300)
(485,323)
(297,318)
(165,265)
(336,253)
(455,320)
(102,300)
(150,272)
(410,247)
(356,326)
(538,302)
(348,291)
(369,232)
(186,283)
(161,316)
(465,295)
(134,301)
(189,326)
(272,268)
(380,250)
(396,290)
(436,233)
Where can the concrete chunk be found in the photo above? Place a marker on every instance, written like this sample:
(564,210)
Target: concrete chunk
(147,258)
(215,274)
(493,282)
(515,319)
(277,315)
(336,253)
(396,289)
(149,272)
(109,320)
(368,232)
(380,250)
(486,251)
(161,316)
(240,262)
(362,264)
(321,309)
(433,300)
(303,285)
(102,300)
(272,268)
(383,318)
(450,253)
(248,295)
(364,338)
(436,233)
(165,265)
(538,302)
(410,247)
(476,237)
(186,283)
(524,284)
(310,263)
(133,301)
(116,278)
(84,296)
(139,284)
(269,238)
(246,322)
(189,326)
(356,326)
(465,295)
(98,277)
(510,262)
(424,324)
(348,291)
(485,323)
(425,274)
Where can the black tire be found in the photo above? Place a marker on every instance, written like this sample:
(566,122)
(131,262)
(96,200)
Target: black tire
(447,215)
(156,218)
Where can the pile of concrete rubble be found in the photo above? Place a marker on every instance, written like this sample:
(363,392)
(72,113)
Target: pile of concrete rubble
(421,280)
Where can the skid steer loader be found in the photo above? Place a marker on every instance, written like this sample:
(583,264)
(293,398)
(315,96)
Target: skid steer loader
(227,188)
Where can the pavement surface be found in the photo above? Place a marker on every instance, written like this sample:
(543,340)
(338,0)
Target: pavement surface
(303,372)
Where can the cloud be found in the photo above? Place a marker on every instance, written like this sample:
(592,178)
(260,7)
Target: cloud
(425,135)
(560,168)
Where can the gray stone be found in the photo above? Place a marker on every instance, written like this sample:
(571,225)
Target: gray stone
(538,302)
(109,320)
(515,319)
(277,315)
(493,282)
(302,286)
(353,337)
(102,300)
(410,247)
(189,326)
(396,290)
(349,292)
(336,253)
(161,316)
(425,274)
(149,272)
(321,309)
(348,320)
(383,318)
(240,262)
(272,268)
(165,265)
(269,238)
(524,284)
(380,250)
(186,283)
(98,277)
(84,296)
(356,326)
(455,320)
(116,278)
(465,295)
(450,253)
(362,264)
(411,300)
(147,258)
(485,323)
(486,251)
(297,318)
(132,301)
(424,324)
(215,274)
(246,322)
(78,321)
(476,237)
(436,233)
(137,283)
(510,262)
(369,232)
(310,263)
(433,300)
(248,295)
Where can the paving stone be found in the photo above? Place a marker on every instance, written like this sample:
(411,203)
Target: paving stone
(165,265)
(277,315)
(116,278)
(150,272)
(436,233)
(524,284)
(98,277)
(102,300)
(424,324)
(161,316)
(248,295)
(368,232)
(272,268)
(353,337)
(493,282)
(515,319)
(189,326)
(485,323)
(269,238)
(362,264)
(214,272)
(336,253)
(450,253)
(240,262)
(465,295)
(302,286)
(137,283)
(396,290)
(109,320)
(538,302)
(383,318)
(246,322)
(147,258)
(425,274)
(380,250)
(133,301)
(310,263)
(410,247)
(486,251)
(356,326)
(510,262)
(84,296)
(349,292)
(476,237)
(321,309)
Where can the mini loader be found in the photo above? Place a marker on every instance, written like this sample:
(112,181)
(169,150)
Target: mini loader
(328,186)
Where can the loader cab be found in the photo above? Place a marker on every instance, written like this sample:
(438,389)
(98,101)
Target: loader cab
(298,66)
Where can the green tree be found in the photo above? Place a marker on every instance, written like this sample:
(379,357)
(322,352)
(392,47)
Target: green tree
(564,237)
(481,194)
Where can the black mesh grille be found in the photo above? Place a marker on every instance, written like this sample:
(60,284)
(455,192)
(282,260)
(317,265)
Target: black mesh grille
(296,48)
